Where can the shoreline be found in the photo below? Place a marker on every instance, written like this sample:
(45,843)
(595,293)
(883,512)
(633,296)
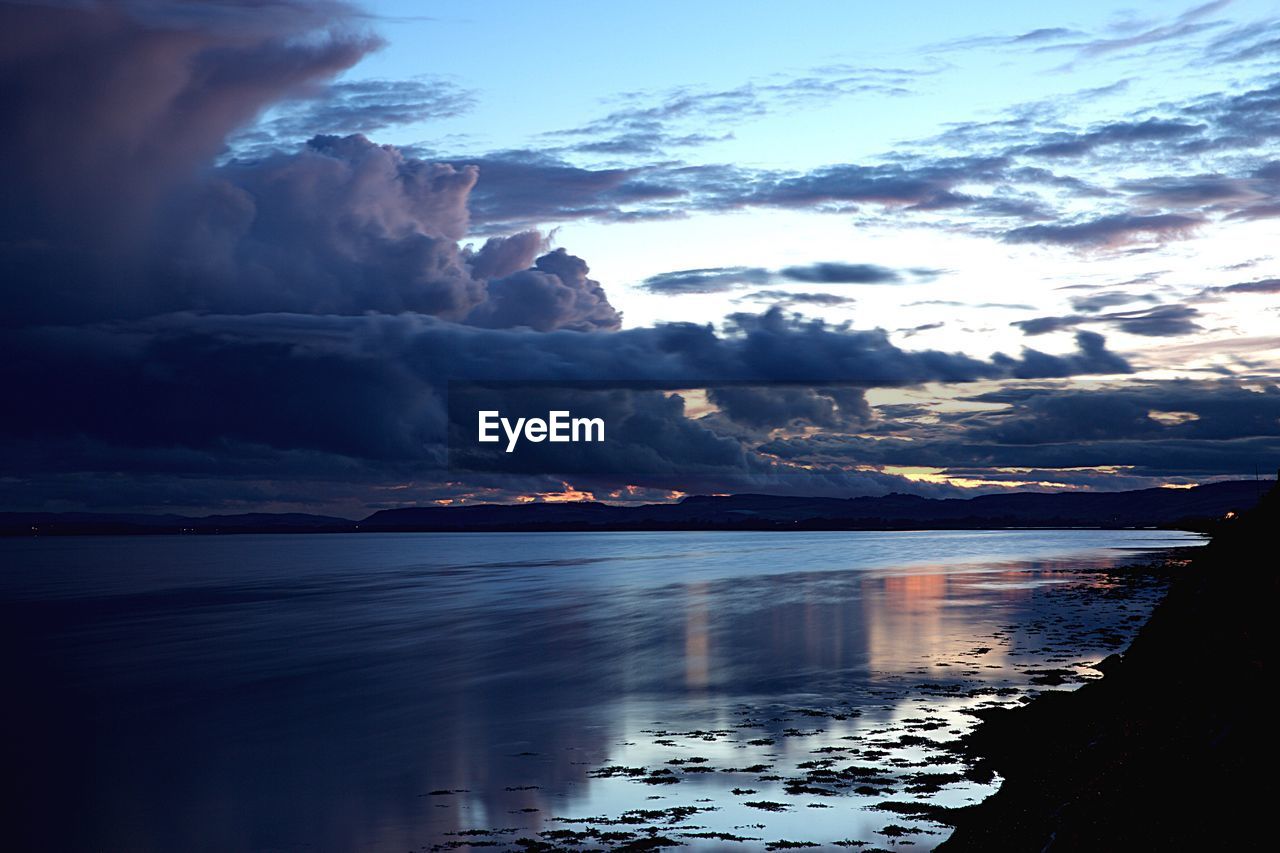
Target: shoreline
(1156,754)
(1201,527)
(1194,509)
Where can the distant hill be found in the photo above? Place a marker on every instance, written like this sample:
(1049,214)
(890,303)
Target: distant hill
(1195,508)
(85,523)
(1145,508)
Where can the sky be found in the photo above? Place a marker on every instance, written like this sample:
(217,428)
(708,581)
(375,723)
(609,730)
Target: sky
(829,249)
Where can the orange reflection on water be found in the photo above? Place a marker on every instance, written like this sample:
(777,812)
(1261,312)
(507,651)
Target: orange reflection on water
(917,617)
(697,640)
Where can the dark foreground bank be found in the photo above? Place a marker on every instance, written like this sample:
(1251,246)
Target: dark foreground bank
(1174,748)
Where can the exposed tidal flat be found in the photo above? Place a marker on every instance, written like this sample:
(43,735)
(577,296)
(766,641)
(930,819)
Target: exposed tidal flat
(539,691)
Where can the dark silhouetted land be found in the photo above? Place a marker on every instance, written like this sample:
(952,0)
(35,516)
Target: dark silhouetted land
(1195,508)
(1174,748)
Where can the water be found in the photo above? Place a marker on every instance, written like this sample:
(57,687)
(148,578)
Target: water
(388,692)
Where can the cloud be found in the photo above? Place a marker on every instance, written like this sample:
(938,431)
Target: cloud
(1107,231)
(1266,285)
(323,397)
(1129,133)
(838,273)
(119,373)
(356,106)
(929,185)
(1194,191)
(1197,159)
(912,331)
(770,408)
(721,279)
(1034,37)
(121,101)
(1185,25)
(1105,434)
(652,123)
(786,297)
(524,189)
(1092,356)
(296,315)
(1020,306)
(1247,43)
(342,226)
(1095,302)
(1160,321)
(709,280)
(1042,34)
(555,294)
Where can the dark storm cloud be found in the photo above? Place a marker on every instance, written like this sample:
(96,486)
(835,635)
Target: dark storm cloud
(1092,356)
(115,106)
(363,385)
(1160,458)
(1160,321)
(113,206)
(555,294)
(342,226)
(1106,231)
(1154,429)
(770,408)
(1220,410)
(282,394)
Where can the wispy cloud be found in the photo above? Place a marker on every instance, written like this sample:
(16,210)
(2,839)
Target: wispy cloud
(361,106)
(721,279)
(655,123)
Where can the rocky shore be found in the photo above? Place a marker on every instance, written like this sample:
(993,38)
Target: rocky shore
(1174,748)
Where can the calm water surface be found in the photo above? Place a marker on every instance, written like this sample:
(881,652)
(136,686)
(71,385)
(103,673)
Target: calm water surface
(398,692)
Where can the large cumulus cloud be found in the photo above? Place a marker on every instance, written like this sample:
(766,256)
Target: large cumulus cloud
(114,207)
